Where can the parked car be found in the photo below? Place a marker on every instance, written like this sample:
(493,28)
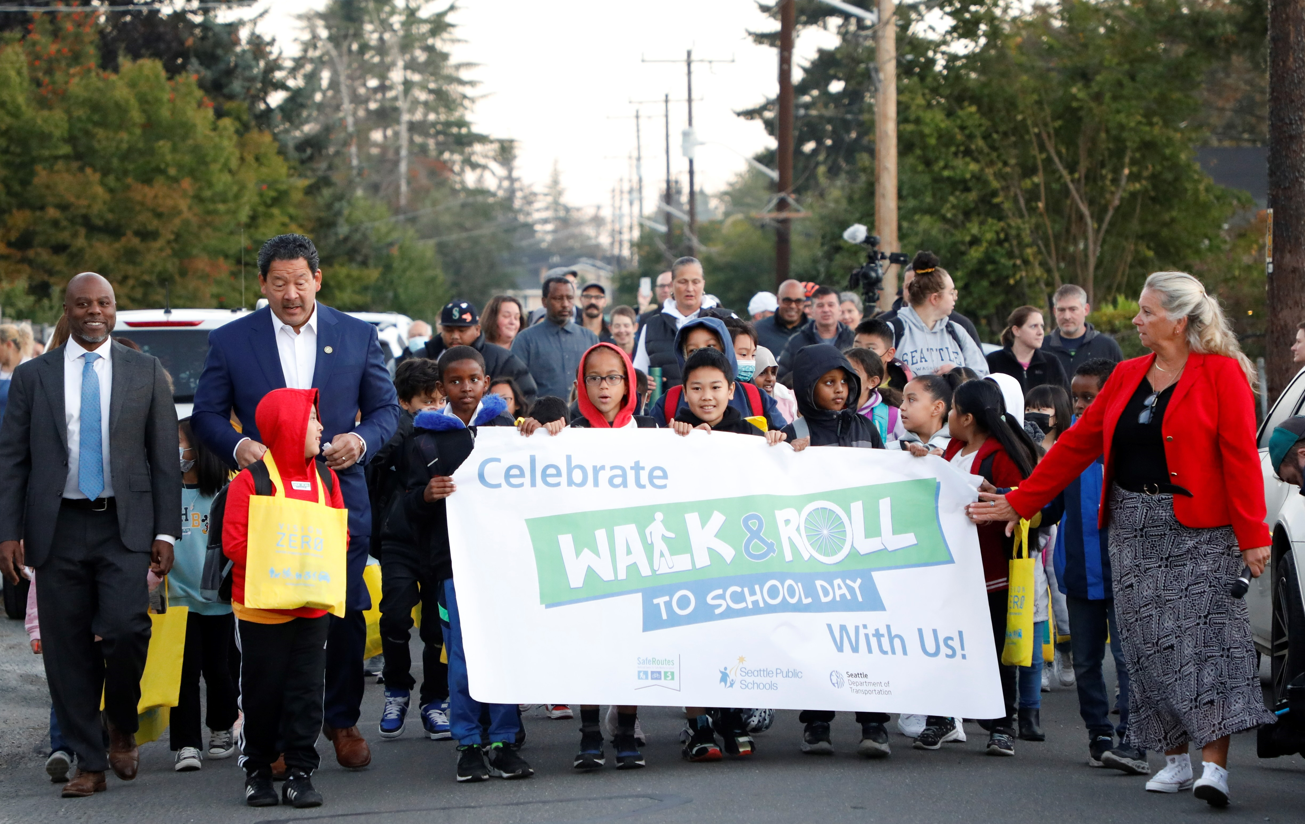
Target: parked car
(1275,603)
(179,338)
(392,329)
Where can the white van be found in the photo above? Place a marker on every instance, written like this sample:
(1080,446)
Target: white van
(179,338)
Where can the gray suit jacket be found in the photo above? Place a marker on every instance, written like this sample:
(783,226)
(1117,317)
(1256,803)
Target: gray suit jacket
(142,450)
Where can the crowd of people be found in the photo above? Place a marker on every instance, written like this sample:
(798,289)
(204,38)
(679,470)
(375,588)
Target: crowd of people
(1134,532)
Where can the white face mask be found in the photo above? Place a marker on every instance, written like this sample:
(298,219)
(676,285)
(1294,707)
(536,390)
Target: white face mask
(186,465)
(416,344)
(747,369)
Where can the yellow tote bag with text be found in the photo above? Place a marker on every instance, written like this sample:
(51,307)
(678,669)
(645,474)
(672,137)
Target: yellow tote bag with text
(1018,649)
(297,550)
(160,683)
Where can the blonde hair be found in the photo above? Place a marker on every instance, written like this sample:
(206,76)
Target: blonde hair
(1208,330)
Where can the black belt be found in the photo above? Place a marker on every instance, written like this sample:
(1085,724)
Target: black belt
(1155,489)
(97,505)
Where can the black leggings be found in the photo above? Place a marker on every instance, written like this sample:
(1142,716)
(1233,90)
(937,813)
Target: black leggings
(208,640)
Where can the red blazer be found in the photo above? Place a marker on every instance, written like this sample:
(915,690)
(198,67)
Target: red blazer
(1209,432)
(994,546)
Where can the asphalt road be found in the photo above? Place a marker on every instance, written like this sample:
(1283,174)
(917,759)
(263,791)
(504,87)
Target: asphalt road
(411,779)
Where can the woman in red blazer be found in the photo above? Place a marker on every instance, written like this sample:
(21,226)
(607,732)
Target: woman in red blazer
(1182,494)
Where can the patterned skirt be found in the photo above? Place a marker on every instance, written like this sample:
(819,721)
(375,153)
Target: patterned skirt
(1187,642)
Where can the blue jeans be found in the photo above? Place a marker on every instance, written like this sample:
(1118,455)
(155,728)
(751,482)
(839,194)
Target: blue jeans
(1089,622)
(1030,677)
(465,711)
(56,736)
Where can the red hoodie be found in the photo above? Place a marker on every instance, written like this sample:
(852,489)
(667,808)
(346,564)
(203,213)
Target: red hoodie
(994,546)
(623,415)
(282,418)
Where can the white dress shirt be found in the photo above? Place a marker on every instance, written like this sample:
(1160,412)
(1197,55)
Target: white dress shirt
(74,361)
(298,352)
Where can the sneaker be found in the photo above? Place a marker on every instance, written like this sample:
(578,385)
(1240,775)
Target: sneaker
(221,743)
(935,735)
(557,712)
(394,714)
(1046,679)
(590,757)
(435,720)
(187,760)
(1126,759)
(58,765)
(1175,777)
(609,727)
(505,763)
(874,741)
(911,725)
(1097,749)
(1064,667)
(815,739)
(628,756)
(1212,786)
(298,791)
(259,791)
(701,742)
(471,763)
(737,743)
(999,743)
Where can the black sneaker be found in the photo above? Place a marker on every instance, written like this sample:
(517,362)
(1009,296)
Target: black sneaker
(701,745)
(505,763)
(628,756)
(999,743)
(1126,759)
(298,791)
(737,743)
(815,739)
(591,755)
(1097,748)
(471,763)
(874,741)
(259,791)
(937,733)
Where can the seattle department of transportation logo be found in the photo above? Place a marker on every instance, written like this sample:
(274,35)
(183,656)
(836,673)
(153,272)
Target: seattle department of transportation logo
(836,678)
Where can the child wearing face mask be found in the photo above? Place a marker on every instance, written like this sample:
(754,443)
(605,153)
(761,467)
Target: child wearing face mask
(766,378)
(209,625)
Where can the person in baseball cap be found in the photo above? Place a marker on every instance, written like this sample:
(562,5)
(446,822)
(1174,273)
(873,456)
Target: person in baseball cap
(763,305)
(460,326)
(1287,451)
(459,313)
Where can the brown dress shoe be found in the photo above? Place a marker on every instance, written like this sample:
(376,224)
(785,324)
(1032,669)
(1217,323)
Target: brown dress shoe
(278,768)
(351,750)
(124,756)
(84,784)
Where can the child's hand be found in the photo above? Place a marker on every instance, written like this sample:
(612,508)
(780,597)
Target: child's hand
(917,450)
(554,427)
(801,443)
(774,437)
(36,646)
(986,486)
(438,488)
(681,428)
(529,426)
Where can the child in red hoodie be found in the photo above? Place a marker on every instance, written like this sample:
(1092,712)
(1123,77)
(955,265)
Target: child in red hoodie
(283,652)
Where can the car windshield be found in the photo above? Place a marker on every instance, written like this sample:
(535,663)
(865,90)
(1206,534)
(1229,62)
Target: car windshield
(182,352)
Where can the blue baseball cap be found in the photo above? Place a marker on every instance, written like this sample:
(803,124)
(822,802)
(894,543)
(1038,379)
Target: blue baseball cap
(1284,437)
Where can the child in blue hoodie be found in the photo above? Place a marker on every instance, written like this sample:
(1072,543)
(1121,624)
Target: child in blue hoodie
(441,440)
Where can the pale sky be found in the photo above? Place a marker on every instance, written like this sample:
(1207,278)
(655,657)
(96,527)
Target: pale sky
(552,73)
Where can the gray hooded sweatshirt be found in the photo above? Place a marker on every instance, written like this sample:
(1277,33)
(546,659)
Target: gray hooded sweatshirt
(925,351)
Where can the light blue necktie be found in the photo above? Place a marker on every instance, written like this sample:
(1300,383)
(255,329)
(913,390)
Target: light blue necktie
(90,454)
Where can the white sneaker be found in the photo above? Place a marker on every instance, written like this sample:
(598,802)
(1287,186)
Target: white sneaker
(1175,777)
(1212,786)
(1064,668)
(558,711)
(221,743)
(1046,679)
(187,760)
(911,725)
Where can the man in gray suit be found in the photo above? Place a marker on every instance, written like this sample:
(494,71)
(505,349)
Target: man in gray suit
(92,500)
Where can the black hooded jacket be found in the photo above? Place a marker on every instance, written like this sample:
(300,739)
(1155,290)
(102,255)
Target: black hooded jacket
(845,427)
(733,421)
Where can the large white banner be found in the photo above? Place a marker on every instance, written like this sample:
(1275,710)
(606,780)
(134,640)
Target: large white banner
(641,567)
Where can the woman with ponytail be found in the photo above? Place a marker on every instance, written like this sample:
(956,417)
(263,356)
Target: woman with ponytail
(927,339)
(1021,355)
(1183,498)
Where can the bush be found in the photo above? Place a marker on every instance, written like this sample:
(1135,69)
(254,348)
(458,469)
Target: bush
(1116,319)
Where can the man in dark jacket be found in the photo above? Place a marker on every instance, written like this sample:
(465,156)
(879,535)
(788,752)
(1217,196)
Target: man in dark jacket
(824,327)
(1075,342)
(774,332)
(460,326)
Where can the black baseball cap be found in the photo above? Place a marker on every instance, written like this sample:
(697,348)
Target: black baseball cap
(459,313)
(594,285)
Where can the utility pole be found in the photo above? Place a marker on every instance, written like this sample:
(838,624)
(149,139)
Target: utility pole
(1286,276)
(638,154)
(669,195)
(886,142)
(693,191)
(784,134)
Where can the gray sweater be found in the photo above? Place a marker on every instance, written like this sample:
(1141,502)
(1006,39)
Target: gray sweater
(925,350)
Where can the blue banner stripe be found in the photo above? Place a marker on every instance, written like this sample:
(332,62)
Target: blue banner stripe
(738,596)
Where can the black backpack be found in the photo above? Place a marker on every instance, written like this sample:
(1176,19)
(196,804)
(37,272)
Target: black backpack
(215,580)
(899,329)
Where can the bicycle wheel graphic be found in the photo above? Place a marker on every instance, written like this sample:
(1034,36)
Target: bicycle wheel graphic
(826,531)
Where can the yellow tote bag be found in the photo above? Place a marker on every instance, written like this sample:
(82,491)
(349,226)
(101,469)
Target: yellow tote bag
(160,683)
(372,578)
(1018,649)
(297,551)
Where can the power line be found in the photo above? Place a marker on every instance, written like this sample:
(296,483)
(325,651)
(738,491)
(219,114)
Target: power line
(233,4)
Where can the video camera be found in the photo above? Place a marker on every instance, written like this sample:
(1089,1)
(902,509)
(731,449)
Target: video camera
(869,278)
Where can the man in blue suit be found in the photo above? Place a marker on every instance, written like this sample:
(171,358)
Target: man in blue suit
(297,342)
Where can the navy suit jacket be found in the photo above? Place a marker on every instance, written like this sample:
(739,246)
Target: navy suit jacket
(350,374)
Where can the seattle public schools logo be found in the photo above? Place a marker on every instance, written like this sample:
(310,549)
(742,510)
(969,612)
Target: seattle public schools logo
(699,561)
(756,678)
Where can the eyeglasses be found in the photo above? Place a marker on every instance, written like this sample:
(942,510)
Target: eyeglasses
(610,380)
(1148,406)
(792,301)
(592,297)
